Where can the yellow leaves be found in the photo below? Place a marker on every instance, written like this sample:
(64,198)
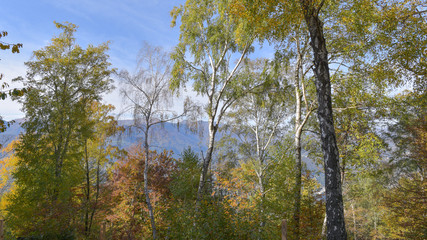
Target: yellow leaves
(237,191)
(7,166)
(5,46)
(176,11)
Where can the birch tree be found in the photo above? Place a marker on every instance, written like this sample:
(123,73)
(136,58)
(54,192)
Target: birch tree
(304,106)
(150,101)
(209,56)
(268,18)
(256,121)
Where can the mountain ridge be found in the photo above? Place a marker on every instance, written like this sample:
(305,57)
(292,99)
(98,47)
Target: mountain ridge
(166,136)
(169,136)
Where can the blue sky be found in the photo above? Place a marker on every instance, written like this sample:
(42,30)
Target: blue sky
(125,23)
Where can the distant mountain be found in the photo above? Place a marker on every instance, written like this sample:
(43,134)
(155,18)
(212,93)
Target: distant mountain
(167,136)
(11,132)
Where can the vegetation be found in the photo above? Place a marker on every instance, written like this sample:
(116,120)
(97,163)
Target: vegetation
(271,170)
(4,91)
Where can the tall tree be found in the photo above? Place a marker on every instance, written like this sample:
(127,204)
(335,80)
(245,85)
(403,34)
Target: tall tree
(285,15)
(304,104)
(406,194)
(205,54)
(150,102)
(254,123)
(97,152)
(334,201)
(64,79)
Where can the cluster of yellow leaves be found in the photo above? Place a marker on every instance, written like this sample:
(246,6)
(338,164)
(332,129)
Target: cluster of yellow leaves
(7,166)
(5,46)
(238,189)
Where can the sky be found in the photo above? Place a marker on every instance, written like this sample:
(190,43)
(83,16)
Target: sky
(125,23)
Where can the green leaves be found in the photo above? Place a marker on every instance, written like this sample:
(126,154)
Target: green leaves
(207,34)
(184,181)
(14,92)
(63,81)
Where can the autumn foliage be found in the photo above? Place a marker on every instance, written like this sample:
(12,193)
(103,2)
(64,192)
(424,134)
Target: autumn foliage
(127,213)
(356,172)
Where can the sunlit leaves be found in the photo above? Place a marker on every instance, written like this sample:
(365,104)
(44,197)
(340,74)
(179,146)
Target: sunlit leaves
(12,92)
(6,46)
(64,80)
(405,208)
(8,164)
(128,210)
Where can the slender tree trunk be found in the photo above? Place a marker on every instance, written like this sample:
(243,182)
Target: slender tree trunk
(284,230)
(87,230)
(324,227)
(146,189)
(375,225)
(102,232)
(98,172)
(206,162)
(261,207)
(354,222)
(334,202)
(2,229)
(297,149)
(297,190)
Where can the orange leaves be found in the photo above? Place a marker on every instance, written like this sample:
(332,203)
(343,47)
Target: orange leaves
(128,211)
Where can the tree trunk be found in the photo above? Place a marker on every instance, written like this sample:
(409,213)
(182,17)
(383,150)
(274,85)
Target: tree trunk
(146,190)
(324,227)
(98,172)
(354,222)
(297,190)
(206,162)
(102,232)
(261,206)
(87,229)
(1,229)
(297,149)
(284,230)
(334,202)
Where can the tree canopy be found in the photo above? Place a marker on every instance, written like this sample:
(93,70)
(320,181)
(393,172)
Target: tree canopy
(267,168)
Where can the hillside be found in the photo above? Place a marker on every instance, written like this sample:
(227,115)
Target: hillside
(166,136)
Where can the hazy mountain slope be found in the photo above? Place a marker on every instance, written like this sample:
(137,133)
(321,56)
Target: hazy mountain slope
(166,136)
(11,132)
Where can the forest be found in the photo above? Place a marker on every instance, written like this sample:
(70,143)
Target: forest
(325,140)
